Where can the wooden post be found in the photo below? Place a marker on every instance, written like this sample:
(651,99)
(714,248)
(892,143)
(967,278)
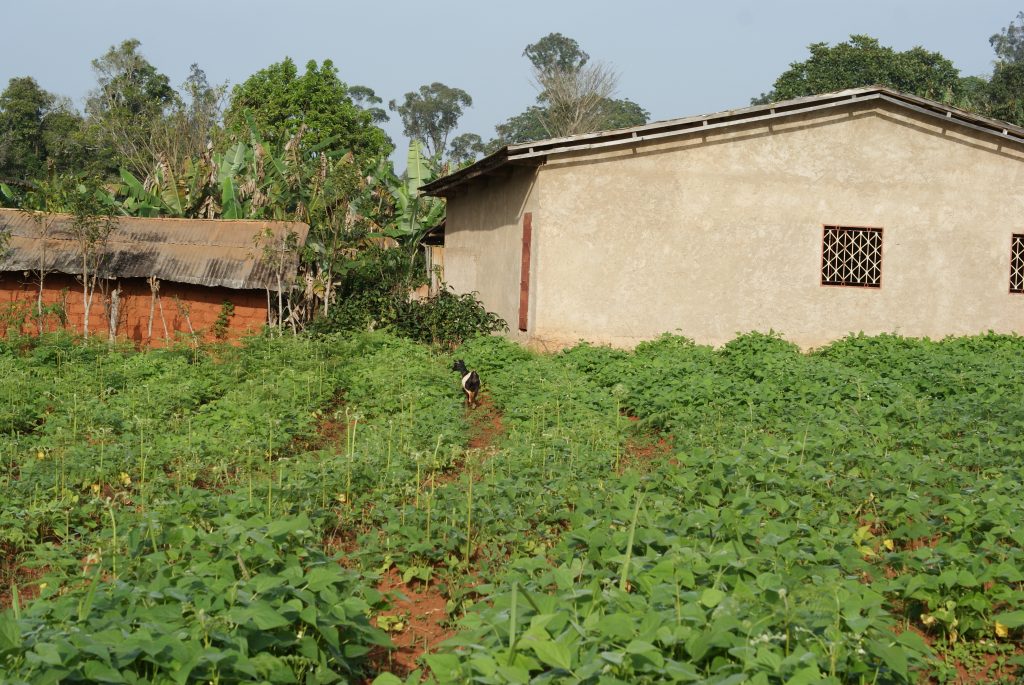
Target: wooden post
(524,271)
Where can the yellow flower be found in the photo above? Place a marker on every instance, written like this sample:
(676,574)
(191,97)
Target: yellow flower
(40,455)
(1001,630)
(125,479)
(95,488)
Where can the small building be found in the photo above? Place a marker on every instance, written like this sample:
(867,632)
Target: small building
(866,210)
(158,279)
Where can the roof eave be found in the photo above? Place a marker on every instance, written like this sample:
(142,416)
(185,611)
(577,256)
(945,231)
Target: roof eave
(538,151)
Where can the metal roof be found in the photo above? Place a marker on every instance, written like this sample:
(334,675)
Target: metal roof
(535,153)
(199,251)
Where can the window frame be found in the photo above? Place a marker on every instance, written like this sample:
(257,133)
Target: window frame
(1017,251)
(825,228)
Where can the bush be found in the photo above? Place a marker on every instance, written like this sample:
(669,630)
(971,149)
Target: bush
(375,294)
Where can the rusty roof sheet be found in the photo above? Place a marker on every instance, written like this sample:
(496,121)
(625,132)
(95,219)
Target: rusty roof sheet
(199,251)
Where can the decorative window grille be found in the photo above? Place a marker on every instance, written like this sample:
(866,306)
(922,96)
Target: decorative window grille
(852,256)
(1017,264)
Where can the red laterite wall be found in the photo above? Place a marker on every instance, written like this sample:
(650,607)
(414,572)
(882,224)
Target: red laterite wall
(178,304)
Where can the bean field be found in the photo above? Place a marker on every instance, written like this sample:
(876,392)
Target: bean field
(321,510)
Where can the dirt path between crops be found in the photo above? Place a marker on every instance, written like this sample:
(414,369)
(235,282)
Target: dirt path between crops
(417,619)
(645,448)
(421,607)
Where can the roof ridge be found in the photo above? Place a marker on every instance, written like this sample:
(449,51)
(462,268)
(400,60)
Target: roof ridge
(540,149)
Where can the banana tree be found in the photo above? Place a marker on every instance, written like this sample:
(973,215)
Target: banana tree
(415,213)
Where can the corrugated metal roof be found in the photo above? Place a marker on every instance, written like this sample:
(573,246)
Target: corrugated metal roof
(199,251)
(534,153)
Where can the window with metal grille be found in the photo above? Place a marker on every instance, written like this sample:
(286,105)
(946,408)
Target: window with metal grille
(1017,263)
(852,256)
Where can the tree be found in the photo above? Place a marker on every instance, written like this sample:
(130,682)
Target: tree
(518,129)
(1009,42)
(431,114)
(280,101)
(862,61)
(187,130)
(37,128)
(129,102)
(23,105)
(367,100)
(91,224)
(575,99)
(574,96)
(1006,92)
(554,53)
(465,148)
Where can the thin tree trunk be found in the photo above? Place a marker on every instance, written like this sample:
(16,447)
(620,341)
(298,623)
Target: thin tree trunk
(160,303)
(280,305)
(270,311)
(154,287)
(39,302)
(115,310)
(86,298)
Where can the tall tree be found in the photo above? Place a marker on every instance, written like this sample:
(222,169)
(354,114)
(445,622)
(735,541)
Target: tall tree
(366,99)
(186,131)
(431,114)
(574,95)
(280,101)
(91,224)
(130,100)
(555,52)
(863,61)
(1009,42)
(1006,92)
(38,129)
(23,105)
(465,148)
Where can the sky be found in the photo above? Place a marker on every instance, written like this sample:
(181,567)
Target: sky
(674,58)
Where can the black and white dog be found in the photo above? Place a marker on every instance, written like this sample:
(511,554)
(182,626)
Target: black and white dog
(470,382)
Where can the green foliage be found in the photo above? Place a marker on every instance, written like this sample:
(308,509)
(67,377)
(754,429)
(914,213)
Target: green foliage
(127,105)
(1008,44)
(236,599)
(555,52)
(281,103)
(37,128)
(863,61)
(220,326)
(672,513)
(465,148)
(374,294)
(1006,92)
(431,114)
(575,96)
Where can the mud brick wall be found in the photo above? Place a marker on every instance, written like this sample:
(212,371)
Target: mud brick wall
(178,305)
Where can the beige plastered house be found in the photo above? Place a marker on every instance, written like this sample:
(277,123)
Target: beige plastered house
(866,210)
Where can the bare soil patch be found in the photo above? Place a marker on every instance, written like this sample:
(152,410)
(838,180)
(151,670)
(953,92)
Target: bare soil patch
(418,622)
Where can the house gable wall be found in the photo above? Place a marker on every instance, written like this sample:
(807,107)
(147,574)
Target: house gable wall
(483,240)
(714,235)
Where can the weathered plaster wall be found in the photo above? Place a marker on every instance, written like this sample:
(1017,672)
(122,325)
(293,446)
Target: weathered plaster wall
(201,304)
(715,235)
(483,241)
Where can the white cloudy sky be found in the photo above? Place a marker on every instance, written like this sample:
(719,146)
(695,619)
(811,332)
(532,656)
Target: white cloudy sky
(675,58)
